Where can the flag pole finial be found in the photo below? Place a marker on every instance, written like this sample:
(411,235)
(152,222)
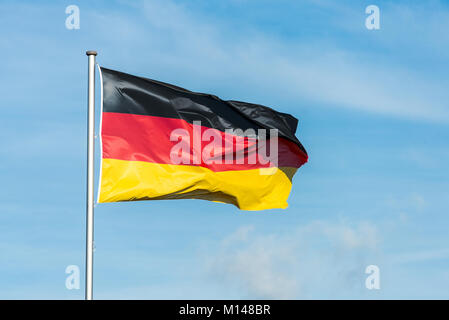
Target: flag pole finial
(91,52)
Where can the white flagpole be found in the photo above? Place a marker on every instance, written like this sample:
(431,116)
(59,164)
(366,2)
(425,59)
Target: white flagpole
(90,176)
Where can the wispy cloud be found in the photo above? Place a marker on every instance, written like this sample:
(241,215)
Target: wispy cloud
(308,261)
(312,71)
(201,51)
(420,256)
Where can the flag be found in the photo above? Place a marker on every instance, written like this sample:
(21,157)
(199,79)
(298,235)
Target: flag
(160,141)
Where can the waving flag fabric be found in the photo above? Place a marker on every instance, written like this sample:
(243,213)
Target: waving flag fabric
(160,141)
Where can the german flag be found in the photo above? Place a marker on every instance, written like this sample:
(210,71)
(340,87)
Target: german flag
(160,141)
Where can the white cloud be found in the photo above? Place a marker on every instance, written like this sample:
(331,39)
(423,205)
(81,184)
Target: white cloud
(316,260)
(167,40)
(318,71)
(409,203)
(420,256)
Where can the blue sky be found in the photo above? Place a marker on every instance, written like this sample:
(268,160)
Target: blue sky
(374,117)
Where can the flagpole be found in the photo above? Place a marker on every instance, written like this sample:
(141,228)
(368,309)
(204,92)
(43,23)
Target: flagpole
(90,175)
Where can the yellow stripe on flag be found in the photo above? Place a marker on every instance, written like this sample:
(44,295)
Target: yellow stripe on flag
(255,189)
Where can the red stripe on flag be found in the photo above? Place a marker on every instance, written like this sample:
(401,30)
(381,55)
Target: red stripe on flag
(147,138)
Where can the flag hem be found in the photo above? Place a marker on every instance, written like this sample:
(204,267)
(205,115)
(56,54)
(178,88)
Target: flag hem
(100,133)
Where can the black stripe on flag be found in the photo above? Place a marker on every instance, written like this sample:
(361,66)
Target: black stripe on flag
(125,93)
